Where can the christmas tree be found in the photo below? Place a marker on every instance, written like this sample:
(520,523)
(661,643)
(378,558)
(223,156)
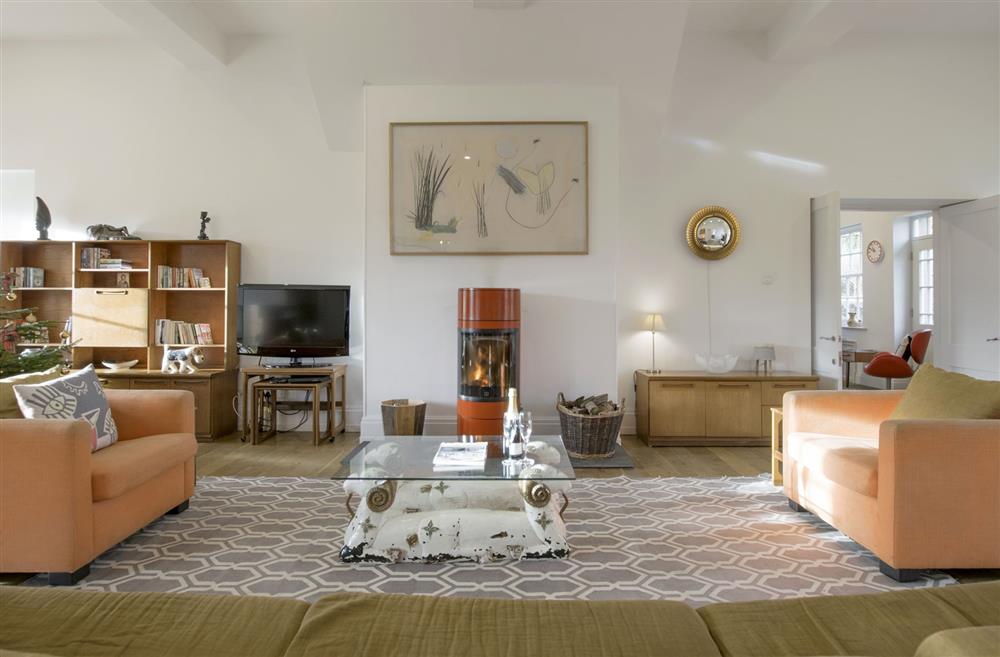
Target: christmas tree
(20,326)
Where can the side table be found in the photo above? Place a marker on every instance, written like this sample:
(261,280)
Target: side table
(777,416)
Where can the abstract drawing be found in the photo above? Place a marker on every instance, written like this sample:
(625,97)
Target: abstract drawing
(488,188)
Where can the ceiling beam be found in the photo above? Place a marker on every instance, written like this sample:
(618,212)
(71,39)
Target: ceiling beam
(807,28)
(179,28)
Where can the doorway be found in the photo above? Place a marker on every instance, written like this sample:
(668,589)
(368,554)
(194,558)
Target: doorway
(880,274)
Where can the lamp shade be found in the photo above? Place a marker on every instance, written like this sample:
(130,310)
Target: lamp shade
(652,322)
(763,352)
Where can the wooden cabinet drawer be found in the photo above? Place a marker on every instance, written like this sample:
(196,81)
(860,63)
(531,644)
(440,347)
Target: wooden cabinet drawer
(110,317)
(115,383)
(677,408)
(150,384)
(774,390)
(733,409)
(202,402)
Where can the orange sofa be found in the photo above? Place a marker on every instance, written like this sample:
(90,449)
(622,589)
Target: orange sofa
(920,494)
(61,505)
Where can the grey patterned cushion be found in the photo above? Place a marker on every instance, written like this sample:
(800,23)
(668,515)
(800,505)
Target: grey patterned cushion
(75,396)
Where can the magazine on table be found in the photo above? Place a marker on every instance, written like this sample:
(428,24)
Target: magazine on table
(460,456)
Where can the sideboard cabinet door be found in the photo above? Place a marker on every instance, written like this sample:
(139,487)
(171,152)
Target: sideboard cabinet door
(733,409)
(677,408)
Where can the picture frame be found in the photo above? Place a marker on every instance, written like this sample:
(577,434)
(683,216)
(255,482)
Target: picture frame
(489,188)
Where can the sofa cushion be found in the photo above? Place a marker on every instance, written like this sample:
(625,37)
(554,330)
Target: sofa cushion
(849,462)
(97,624)
(417,626)
(8,402)
(126,464)
(966,642)
(878,625)
(78,395)
(934,394)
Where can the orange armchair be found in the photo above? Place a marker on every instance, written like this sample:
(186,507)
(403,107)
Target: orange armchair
(889,366)
(61,505)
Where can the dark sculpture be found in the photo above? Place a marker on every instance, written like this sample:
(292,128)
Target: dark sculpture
(108,232)
(204,220)
(43,218)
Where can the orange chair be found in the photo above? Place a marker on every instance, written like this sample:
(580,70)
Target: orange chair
(889,366)
(61,505)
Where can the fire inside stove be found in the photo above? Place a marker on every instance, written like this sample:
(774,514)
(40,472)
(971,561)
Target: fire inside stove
(488,363)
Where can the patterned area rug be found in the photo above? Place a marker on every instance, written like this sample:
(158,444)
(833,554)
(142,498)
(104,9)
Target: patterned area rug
(696,540)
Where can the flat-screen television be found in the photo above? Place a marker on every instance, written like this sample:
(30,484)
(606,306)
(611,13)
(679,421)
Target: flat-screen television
(293,321)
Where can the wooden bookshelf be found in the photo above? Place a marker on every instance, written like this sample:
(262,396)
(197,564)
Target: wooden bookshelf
(114,323)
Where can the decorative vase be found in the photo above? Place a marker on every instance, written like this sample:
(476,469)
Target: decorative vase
(852,318)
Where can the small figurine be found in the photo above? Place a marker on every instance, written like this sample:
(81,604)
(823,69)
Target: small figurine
(43,218)
(108,232)
(182,361)
(204,220)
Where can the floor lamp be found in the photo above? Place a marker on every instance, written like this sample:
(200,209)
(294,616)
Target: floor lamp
(653,322)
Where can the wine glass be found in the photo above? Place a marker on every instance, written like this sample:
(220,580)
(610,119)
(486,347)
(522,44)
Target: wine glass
(526,425)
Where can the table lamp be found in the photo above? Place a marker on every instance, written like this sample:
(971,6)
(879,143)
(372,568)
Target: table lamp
(652,322)
(763,355)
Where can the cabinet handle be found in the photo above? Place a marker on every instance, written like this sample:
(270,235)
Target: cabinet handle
(734,385)
(112,291)
(789,385)
(676,385)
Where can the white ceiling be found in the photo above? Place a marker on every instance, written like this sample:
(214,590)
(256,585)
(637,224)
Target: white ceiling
(84,19)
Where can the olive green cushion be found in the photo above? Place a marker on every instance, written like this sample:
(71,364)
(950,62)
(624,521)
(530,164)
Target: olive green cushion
(360,625)
(63,622)
(966,642)
(879,625)
(934,393)
(8,403)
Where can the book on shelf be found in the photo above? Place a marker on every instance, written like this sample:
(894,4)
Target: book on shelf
(28,276)
(90,257)
(460,456)
(114,263)
(171,332)
(180,277)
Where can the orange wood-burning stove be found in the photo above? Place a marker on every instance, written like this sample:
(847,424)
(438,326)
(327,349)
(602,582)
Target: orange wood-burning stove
(489,350)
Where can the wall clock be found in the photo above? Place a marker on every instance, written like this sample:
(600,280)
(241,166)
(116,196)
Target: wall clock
(875,252)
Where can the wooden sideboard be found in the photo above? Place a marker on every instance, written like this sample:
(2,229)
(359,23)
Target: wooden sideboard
(698,408)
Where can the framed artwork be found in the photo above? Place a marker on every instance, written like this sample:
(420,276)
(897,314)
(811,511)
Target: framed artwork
(498,188)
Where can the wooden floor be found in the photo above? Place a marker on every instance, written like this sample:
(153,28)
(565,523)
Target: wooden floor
(293,454)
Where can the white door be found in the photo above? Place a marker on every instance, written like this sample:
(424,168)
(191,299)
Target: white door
(922,281)
(967,288)
(826,333)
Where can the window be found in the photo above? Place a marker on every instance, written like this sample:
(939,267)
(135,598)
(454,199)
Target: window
(921,225)
(851,294)
(924,281)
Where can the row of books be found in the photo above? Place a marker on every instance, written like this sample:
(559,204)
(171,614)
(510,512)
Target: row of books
(181,277)
(28,276)
(100,258)
(172,332)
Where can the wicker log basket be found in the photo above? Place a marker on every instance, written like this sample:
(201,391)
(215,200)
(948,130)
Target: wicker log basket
(588,436)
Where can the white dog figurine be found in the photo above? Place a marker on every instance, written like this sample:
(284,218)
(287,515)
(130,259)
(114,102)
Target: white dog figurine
(182,361)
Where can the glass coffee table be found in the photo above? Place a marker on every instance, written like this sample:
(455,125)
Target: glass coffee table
(409,511)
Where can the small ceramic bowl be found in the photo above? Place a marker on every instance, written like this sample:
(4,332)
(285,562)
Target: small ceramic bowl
(716,364)
(122,365)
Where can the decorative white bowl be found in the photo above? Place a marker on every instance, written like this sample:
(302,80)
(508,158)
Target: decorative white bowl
(123,365)
(714,364)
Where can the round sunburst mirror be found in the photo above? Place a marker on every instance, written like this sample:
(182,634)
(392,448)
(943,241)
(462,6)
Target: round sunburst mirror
(713,232)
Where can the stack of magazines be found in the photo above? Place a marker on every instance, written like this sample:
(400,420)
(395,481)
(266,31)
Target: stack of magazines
(460,456)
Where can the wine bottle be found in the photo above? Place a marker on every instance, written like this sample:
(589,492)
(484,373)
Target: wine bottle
(512,413)
(516,447)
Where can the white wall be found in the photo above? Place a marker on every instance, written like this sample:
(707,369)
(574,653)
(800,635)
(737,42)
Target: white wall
(875,116)
(567,303)
(117,132)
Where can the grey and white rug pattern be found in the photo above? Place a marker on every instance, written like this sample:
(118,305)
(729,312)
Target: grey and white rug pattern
(695,540)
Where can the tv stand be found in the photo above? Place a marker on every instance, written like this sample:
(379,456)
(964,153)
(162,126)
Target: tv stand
(247,374)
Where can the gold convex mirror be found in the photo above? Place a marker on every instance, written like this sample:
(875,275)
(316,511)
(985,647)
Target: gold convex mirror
(713,232)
